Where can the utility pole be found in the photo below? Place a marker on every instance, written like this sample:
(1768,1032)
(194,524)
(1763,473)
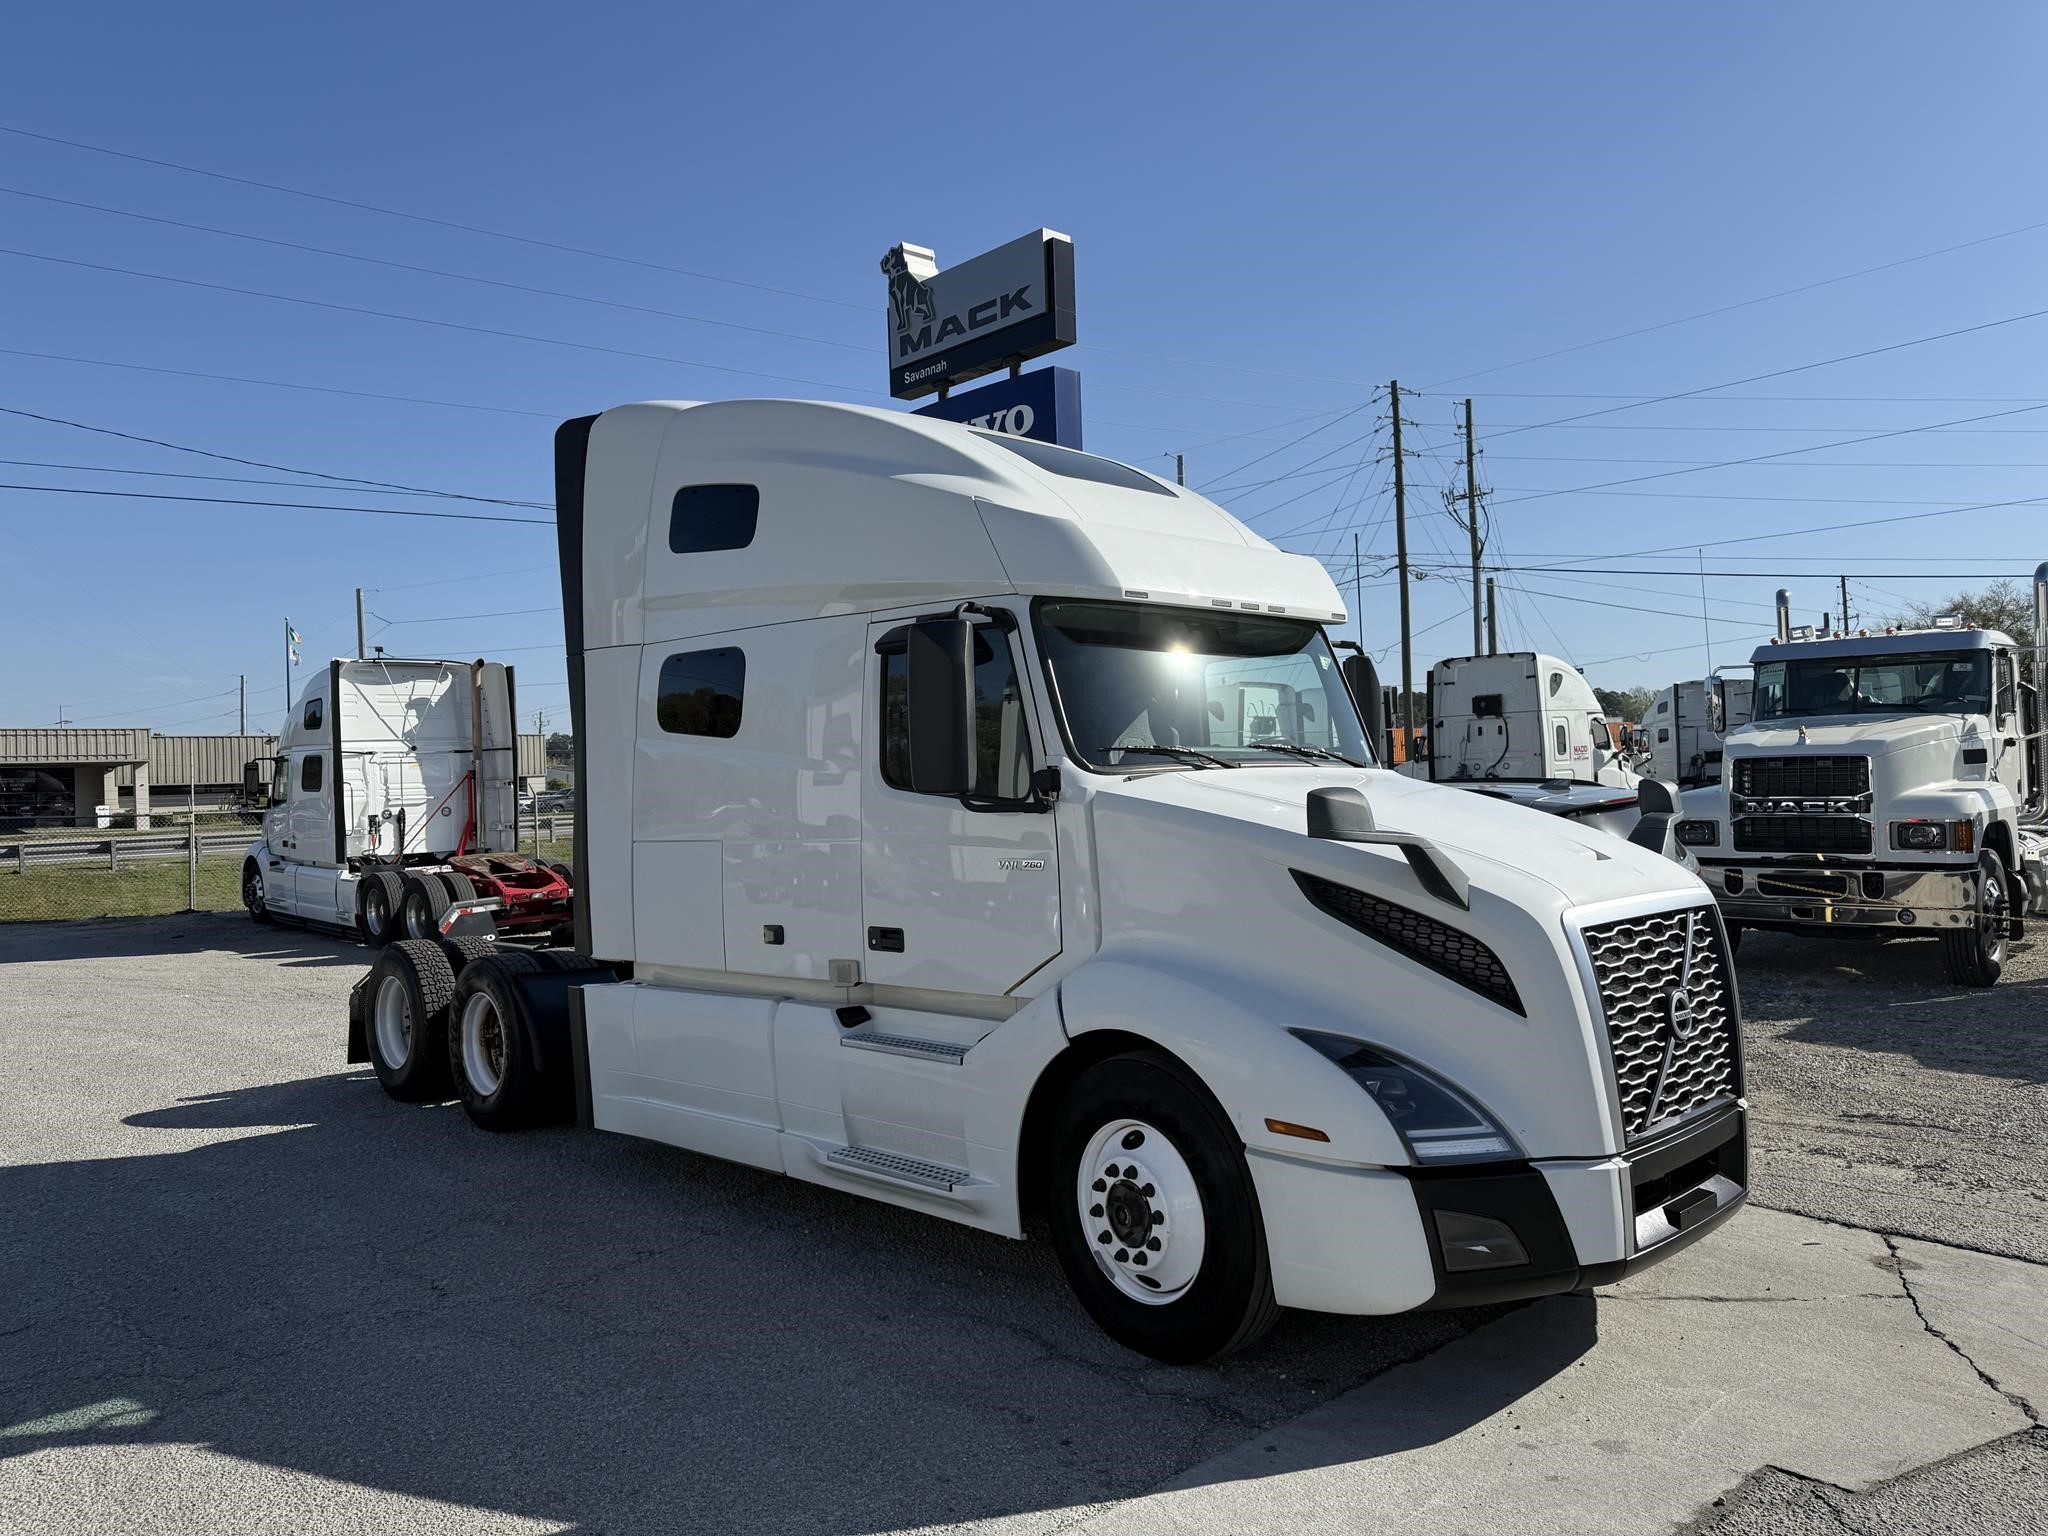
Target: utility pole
(1180,469)
(1492,633)
(1401,551)
(1472,521)
(361,650)
(1845,605)
(242,682)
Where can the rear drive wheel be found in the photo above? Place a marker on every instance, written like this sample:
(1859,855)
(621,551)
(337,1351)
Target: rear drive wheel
(419,912)
(378,898)
(1153,1213)
(252,891)
(1975,955)
(490,1054)
(410,989)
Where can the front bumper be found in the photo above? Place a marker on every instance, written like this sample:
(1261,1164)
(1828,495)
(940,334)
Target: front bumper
(1843,896)
(1671,1192)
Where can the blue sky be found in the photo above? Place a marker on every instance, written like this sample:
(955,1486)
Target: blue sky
(1276,210)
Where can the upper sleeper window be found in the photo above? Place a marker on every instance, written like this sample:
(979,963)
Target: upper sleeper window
(700,692)
(313,715)
(707,517)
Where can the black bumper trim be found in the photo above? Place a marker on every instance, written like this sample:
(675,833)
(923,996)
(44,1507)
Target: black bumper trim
(1519,1195)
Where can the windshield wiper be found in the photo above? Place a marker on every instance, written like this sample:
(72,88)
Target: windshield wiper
(1320,754)
(1152,746)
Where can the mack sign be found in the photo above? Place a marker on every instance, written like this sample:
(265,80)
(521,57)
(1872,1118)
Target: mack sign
(1004,306)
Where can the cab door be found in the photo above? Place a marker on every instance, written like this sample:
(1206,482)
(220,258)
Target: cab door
(958,894)
(2009,736)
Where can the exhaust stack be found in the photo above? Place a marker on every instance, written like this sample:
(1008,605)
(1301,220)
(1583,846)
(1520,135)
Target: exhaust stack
(2041,625)
(1785,608)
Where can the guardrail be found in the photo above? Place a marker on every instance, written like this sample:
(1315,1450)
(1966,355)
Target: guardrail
(113,853)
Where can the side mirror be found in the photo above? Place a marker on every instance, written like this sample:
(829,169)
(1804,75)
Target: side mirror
(1363,678)
(252,781)
(1658,802)
(940,700)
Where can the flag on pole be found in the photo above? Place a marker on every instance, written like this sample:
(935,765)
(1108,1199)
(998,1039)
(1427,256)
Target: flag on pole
(292,642)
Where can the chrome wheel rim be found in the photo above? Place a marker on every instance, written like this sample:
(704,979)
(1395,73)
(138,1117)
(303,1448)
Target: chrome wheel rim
(376,911)
(483,1045)
(1992,923)
(394,1022)
(417,924)
(1141,1212)
(252,890)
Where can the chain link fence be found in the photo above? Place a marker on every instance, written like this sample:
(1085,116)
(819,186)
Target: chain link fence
(547,835)
(181,861)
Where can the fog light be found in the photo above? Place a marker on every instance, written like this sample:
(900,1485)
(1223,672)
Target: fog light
(1873,885)
(1477,1242)
(1908,916)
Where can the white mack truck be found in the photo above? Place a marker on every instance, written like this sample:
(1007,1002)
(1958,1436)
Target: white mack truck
(1885,782)
(986,827)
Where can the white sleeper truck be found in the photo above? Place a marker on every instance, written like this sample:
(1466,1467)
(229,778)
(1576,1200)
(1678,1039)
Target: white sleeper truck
(986,828)
(1889,783)
(393,796)
(1687,724)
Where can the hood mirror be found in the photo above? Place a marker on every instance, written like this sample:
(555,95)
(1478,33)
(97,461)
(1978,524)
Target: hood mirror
(1343,815)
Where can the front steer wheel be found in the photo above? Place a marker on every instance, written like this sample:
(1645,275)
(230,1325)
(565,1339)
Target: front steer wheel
(252,891)
(1975,955)
(410,988)
(1153,1213)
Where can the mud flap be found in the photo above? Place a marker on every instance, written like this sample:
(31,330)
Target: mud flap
(358,1021)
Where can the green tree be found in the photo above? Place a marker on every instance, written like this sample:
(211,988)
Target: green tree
(2004,605)
(1625,704)
(561,748)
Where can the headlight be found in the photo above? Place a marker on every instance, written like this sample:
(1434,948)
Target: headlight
(1920,834)
(1700,834)
(1438,1124)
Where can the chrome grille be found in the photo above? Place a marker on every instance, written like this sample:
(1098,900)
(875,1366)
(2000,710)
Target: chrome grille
(1673,1029)
(1802,834)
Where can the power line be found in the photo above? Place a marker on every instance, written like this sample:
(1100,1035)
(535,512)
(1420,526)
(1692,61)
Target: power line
(446,325)
(305,506)
(460,277)
(421,218)
(1725,309)
(288,469)
(297,485)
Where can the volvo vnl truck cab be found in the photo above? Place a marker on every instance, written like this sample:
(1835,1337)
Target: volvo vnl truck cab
(392,798)
(985,828)
(1890,783)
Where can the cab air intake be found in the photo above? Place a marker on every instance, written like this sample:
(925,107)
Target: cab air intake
(1446,950)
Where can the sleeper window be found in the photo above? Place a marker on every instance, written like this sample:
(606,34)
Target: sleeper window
(309,774)
(313,714)
(703,518)
(1562,746)
(1002,744)
(700,692)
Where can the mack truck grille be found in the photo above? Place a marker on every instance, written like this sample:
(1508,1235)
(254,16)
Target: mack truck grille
(1801,834)
(1671,1020)
(1802,778)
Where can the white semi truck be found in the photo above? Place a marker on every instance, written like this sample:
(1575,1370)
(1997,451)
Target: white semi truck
(394,795)
(1889,783)
(985,827)
(1686,726)
(1519,716)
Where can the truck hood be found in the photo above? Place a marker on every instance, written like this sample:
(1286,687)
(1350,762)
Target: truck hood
(1878,735)
(1528,857)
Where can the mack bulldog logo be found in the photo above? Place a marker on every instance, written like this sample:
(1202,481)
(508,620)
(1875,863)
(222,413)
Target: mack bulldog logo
(910,295)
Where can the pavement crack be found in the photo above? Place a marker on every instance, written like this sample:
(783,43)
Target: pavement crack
(1899,1267)
(1888,1233)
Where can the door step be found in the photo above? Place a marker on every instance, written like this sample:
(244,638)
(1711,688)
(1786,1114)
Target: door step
(952,1051)
(897,1169)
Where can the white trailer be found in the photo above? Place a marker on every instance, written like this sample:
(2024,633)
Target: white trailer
(984,827)
(393,795)
(1519,716)
(1886,784)
(1686,725)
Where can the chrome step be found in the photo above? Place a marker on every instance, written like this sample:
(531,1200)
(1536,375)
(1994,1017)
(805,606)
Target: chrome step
(896,1168)
(953,1051)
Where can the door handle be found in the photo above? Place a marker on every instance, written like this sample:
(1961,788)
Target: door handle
(886,940)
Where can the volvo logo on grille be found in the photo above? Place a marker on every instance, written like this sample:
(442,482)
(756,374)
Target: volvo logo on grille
(1679,1017)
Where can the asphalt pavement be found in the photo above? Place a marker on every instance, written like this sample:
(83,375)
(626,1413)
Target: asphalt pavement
(241,1290)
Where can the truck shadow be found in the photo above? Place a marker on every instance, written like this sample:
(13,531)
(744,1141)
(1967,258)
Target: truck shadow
(605,1333)
(1892,995)
(185,933)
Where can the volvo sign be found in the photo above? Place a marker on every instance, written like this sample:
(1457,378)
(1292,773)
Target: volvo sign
(1004,306)
(1044,404)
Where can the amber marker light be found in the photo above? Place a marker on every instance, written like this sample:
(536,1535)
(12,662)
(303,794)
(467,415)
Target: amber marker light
(1289,1128)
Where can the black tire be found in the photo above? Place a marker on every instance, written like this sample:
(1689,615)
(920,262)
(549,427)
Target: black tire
(460,886)
(559,959)
(568,874)
(487,1005)
(461,952)
(252,891)
(1229,1301)
(410,1054)
(419,912)
(378,897)
(1975,955)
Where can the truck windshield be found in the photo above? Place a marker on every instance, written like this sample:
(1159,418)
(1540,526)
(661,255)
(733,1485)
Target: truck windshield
(1164,687)
(1941,683)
